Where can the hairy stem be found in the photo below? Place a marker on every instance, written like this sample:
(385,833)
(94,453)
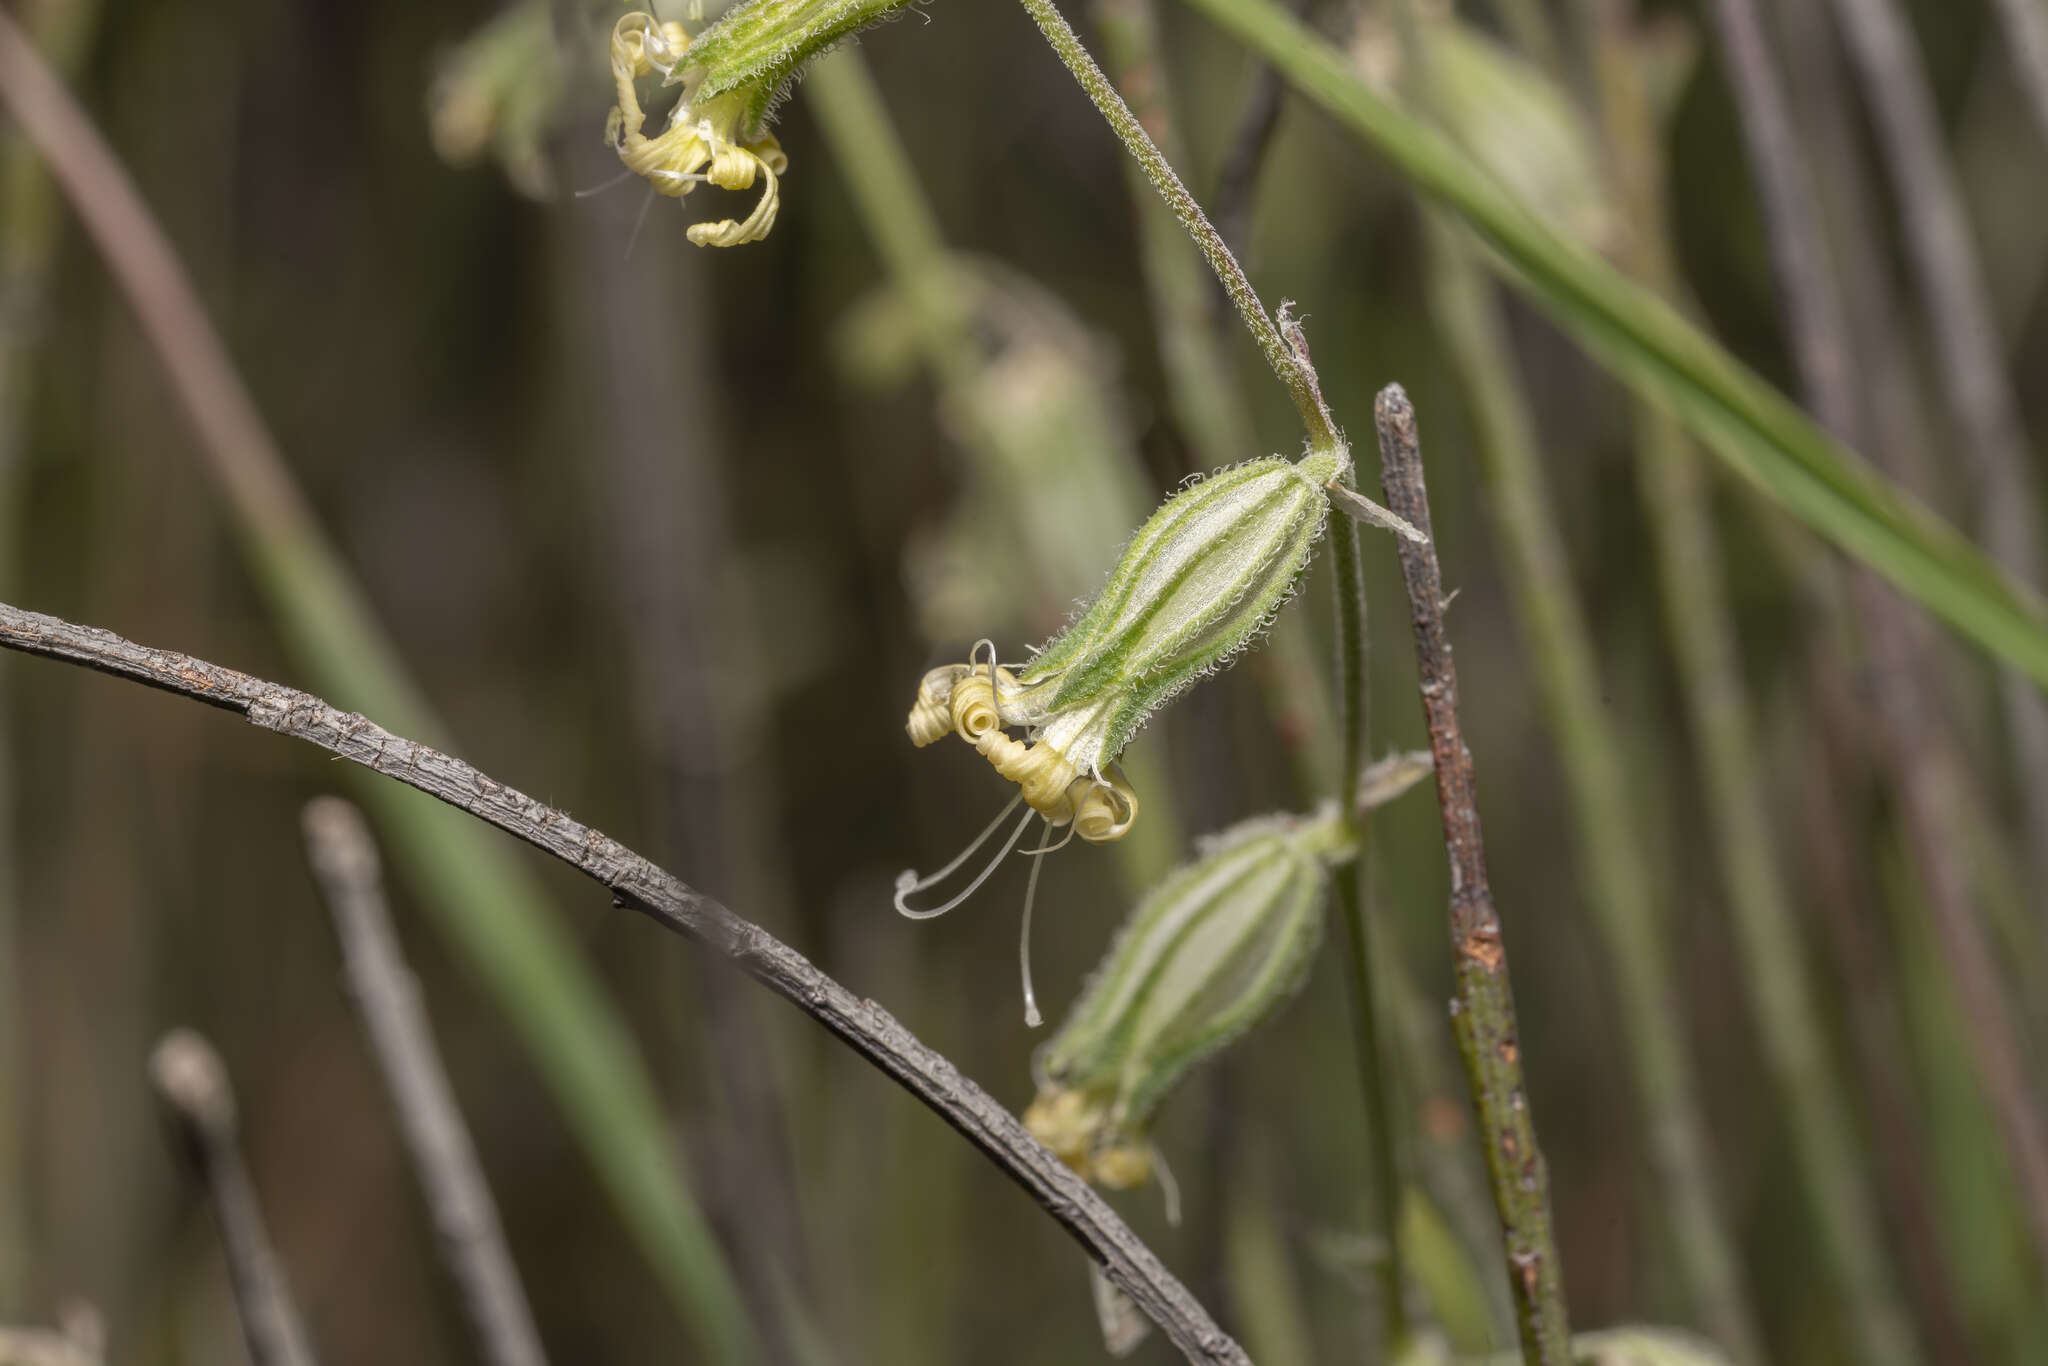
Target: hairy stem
(1294,372)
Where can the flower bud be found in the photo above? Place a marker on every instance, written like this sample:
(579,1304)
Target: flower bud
(1214,949)
(1201,579)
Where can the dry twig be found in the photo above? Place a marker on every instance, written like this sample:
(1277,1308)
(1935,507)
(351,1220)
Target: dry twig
(638,885)
(344,859)
(1483,1013)
(192,1083)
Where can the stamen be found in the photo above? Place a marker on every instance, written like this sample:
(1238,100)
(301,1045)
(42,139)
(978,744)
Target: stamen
(1065,840)
(1032,1019)
(601,188)
(908,883)
(639,222)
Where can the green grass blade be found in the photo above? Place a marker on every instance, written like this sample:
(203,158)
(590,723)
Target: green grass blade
(1752,427)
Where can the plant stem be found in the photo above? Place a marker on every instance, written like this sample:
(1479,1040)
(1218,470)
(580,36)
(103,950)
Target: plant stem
(192,1083)
(1204,393)
(638,885)
(387,995)
(1293,371)
(1484,1010)
(1347,586)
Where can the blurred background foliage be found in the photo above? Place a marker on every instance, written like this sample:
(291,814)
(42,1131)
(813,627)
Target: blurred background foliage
(668,536)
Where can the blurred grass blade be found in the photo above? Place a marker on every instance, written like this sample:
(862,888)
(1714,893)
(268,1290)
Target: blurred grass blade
(1756,430)
(481,899)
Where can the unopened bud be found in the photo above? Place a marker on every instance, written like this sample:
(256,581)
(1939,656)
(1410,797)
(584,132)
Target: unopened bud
(1217,947)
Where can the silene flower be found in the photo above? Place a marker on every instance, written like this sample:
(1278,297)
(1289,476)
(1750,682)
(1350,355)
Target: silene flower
(1199,582)
(1220,945)
(721,140)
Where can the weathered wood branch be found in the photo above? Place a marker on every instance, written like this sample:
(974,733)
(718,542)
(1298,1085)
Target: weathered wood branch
(637,884)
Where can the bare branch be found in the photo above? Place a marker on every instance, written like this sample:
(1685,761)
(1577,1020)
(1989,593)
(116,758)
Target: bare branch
(1483,1015)
(192,1083)
(344,859)
(639,885)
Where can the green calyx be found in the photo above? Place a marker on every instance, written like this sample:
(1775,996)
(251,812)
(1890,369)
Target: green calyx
(1218,946)
(1199,582)
(755,50)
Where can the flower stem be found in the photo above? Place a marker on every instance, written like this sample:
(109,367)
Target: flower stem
(1294,370)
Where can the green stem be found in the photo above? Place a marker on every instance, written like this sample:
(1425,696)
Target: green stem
(1348,588)
(1203,390)
(1294,370)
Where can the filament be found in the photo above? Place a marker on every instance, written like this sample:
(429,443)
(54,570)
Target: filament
(1032,1019)
(908,883)
(1065,840)
(640,222)
(601,187)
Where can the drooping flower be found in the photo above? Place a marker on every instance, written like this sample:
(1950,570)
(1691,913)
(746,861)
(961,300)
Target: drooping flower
(1201,579)
(707,141)
(1217,947)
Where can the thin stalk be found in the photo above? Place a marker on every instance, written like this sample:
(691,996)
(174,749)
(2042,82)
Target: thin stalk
(1293,371)
(1201,386)
(1347,583)
(192,1083)
(1484,1010)
(1969,355)
(1611,841)
(491,909)
(387,995)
